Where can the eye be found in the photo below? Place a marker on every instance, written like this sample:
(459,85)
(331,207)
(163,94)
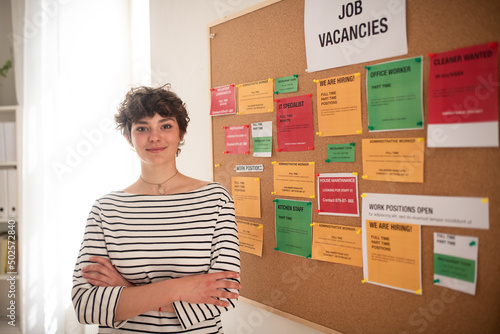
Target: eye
(166,126)
(140,129)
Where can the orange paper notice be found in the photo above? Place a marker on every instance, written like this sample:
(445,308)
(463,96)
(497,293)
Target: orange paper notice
(251,236)
(255,97)
(294,179)
(246,195)
(337,243)
(393,255)
(339,105)
(393,159)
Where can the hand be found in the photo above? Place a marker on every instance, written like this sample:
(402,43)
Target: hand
(103,273)
(206,288)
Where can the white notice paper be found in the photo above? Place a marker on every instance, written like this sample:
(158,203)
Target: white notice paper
(340,33)
(249,168)
(455,262)
(469,212)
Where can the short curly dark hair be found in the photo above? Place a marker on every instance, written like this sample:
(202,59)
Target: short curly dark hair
(145,101)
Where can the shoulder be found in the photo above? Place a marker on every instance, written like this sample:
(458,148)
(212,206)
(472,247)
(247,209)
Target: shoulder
(112,195)
(190,184)
(216,189)
(112,198)
(102,203)
(193,184)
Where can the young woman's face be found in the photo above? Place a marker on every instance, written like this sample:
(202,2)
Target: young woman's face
(156,139)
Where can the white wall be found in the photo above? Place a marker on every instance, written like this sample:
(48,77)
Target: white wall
(179,56)
(179,46)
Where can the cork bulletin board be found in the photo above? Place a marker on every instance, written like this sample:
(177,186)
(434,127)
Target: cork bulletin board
(267,41)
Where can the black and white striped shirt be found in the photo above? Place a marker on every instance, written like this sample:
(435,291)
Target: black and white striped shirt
(153,238)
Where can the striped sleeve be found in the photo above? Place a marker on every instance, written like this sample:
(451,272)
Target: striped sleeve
(225,256)
(94,305)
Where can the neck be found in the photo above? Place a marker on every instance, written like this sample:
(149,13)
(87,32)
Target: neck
(157,180)
(157,174)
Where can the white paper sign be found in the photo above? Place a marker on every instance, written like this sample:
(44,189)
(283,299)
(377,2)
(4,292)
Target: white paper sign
(340,33)
(249,168)
(469,212)
(262,138)
(477,134)
(455,262)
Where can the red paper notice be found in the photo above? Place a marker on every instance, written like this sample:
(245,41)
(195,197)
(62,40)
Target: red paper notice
(338,194)
(223,101)
(463,85)
(295,124)
(237,139)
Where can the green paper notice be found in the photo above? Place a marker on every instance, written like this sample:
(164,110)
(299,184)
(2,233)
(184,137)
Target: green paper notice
(262,144)
(288,84)
(394,95)
(293,227)
(340,152)
(455,267)
(262,139)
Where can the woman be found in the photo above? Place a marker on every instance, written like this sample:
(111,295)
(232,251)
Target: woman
(162,255)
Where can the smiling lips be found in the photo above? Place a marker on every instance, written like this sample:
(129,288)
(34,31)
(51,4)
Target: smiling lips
(155,149)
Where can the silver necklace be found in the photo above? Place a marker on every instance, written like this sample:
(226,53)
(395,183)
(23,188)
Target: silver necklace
(161,191)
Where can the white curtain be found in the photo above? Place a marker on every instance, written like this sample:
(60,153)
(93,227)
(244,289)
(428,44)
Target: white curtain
(74,59)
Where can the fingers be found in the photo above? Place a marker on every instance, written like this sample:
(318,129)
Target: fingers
(222,287)
(102,261)
(96,282)
(95,278)
(104,273)
(212,288)
(221,297)
(224,275)
(96,268)
(226,284)
(218,302)
(226,294)
(223,282)
(98,274)
(102,267)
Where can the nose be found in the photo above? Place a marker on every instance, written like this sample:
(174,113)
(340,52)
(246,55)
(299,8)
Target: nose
(154,135)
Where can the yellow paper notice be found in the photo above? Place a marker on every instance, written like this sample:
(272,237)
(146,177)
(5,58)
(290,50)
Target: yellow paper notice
(294,179)
(337,243)
(251,236)
(339,105)
(393,254)
(255,97)
(393,159)
(246,195)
